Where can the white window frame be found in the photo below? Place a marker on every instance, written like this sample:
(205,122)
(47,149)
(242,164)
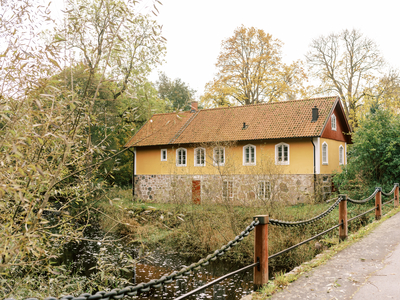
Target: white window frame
(333,122)
(166,155)
(324,159)
(178,163)
(195,157)
(217,160)
(341,155)
(283,162)
(249,163)
(264,190)
(227,190)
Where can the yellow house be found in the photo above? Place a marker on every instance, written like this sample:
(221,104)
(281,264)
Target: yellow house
(286,150)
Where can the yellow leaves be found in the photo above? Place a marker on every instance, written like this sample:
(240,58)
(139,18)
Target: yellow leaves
(251,71)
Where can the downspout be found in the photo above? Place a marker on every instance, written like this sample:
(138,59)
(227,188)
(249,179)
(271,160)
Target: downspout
(315,176)
(133,172)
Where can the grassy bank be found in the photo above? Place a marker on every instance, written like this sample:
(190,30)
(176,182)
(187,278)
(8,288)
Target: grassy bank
(198,230)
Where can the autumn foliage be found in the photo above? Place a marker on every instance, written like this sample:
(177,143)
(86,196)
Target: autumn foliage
(251,71)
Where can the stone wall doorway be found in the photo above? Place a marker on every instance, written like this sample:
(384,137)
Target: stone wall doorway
(196,191)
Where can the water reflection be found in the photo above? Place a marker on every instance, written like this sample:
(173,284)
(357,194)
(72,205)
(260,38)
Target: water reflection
(154,265)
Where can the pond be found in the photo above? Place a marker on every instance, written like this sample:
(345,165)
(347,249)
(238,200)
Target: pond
(84,257)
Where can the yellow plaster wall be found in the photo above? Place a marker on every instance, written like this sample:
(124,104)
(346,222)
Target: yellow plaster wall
(333,156)
(148,160)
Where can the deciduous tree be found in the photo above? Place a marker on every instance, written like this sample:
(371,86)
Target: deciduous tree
(251,71)
(175,92)
(351,65)
(52,121)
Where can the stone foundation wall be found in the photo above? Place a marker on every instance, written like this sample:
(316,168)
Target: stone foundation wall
(237,189)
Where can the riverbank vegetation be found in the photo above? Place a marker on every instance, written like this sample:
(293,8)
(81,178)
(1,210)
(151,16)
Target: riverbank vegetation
(198,230)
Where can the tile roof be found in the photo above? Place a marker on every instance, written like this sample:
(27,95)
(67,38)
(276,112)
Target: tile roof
(285,119)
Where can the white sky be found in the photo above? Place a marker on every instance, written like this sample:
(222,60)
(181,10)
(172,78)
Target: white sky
(195,29)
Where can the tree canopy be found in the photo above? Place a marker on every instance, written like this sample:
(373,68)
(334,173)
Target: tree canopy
(374,158)
(350,65)
(67,104)
(175,92)
(251,71)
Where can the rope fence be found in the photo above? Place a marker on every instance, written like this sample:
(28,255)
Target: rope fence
(260,224)
(261,276)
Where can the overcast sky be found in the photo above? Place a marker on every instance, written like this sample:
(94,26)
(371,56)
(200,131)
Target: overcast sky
(195,29)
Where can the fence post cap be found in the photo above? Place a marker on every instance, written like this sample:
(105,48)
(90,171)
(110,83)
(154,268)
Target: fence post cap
(379,189)
(343,196)
(263,219)
(396,184)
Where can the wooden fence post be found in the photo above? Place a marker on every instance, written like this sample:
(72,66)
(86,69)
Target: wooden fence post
(396,195)
(343,218)
(261,252)
(378,204)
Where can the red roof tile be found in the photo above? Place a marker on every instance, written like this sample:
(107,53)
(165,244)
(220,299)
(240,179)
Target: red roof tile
(286,119)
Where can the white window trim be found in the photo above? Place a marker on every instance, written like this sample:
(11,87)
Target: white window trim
(214,156)
(333,117)
(276,154)
(228,183)
(244,155)
(186,158)
(195,157)
(322,152)
(166,154)
(266,188)
(341,148)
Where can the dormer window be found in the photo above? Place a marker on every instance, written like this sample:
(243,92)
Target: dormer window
(333,122)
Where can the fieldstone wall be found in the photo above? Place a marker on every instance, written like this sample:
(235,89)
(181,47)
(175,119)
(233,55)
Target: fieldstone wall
(237,189)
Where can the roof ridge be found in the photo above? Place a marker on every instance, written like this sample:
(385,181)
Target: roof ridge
(183,127)
(267,103)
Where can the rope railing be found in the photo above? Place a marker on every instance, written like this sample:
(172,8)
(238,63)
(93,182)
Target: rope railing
(260,223)
(390,193)
(306,222)
(145,287)
(343,225)
(366,199)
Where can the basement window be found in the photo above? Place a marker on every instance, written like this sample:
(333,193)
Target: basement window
(264,190)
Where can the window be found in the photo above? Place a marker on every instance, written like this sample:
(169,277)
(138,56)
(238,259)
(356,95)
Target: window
(341,155)
(219,156)
(324,153)
(163,154)
(199,157)
(227,190)
(181,157)
(264,190)
(249,155)
(333,122)
(282,154)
